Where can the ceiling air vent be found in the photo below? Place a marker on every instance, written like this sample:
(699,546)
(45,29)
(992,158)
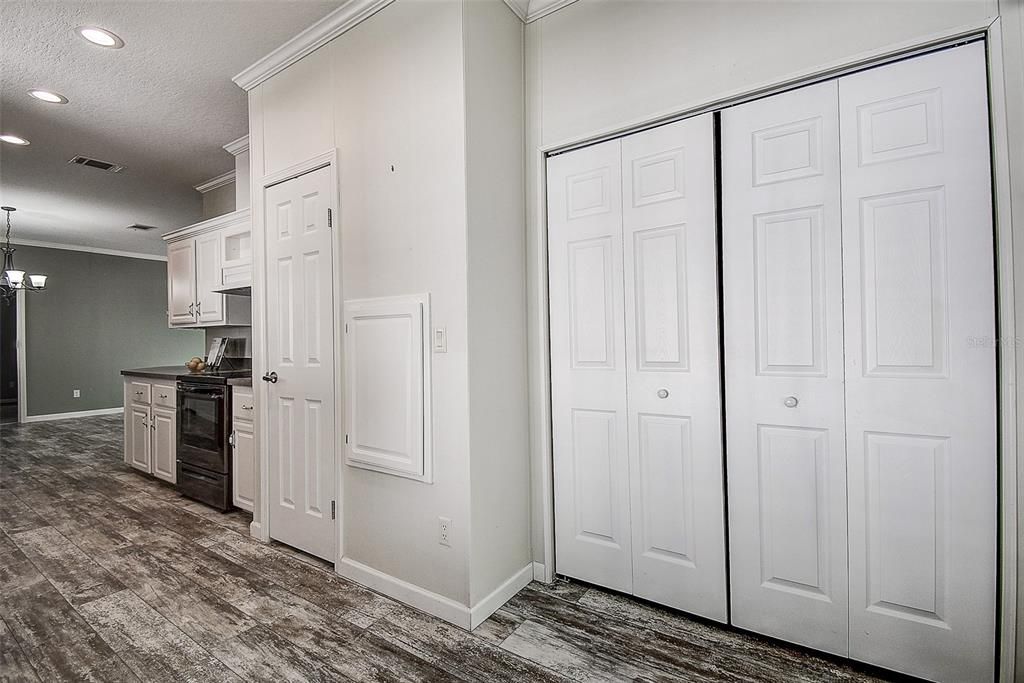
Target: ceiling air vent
(96,163)
(140,226)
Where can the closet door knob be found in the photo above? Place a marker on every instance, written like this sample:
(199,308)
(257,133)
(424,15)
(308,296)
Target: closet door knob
(662,393)
(791,402)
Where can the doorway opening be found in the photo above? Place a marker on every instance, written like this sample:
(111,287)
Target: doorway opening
(9,360)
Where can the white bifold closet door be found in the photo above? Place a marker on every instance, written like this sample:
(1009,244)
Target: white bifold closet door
(783,314)
(860,344)
(920,365)
(635,369)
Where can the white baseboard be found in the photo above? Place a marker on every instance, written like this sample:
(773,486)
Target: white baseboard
(540,573)
(68,416)
(500,595)
(403,591)
(256,531)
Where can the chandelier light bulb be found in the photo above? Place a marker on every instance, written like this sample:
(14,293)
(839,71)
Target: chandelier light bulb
(15,277)
(37,281)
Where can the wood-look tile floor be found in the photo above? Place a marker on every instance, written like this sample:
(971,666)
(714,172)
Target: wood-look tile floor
(109,575)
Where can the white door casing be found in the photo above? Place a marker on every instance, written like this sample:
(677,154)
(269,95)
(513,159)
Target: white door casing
(920,365)
(783,317)
(209,304)
(181,282)
(588,375)
(300,349)
(672,371)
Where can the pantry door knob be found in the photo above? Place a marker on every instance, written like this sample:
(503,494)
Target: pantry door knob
(791,402)
(662,393)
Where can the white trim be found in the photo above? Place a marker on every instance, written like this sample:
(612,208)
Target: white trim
(216,223)
(499,596)
(74,414)
(316,36)
(542,8)
(1001,194)
(990,29)
(239,146)
(519,7)
(20,350)
(540,573)
(405,592)
(256,531)
(213,183)
(88,250)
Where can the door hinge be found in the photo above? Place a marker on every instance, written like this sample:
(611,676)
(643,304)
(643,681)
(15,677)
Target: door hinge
(346,328)
(346,438)
(330,218)
(332,509)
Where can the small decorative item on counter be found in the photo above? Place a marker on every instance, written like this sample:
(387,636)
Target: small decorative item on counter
(197,364)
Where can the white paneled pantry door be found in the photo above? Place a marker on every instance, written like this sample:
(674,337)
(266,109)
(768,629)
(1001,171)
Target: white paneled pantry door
(858,344)
(635,372)
(300,349)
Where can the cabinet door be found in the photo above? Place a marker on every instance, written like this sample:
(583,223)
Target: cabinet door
(588,367)
(139,440)
(243,466)
(673,384)
(209,304)
(181,283)
(783,316)
(164,432)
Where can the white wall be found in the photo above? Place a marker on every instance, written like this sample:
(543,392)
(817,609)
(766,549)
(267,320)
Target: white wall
(390,95)
(499,434)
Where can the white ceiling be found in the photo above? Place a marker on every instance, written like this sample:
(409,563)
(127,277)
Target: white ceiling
(162,106)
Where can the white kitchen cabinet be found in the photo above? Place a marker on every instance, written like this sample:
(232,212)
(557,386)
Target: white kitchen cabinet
(243,448)
(181,283)
(150,427)
(164,428)
(197,257)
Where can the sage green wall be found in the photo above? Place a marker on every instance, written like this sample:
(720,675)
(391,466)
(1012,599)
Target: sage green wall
(98,315)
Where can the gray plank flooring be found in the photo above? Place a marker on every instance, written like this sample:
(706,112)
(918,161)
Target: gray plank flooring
(109,575)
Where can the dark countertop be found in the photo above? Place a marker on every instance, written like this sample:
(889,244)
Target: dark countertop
(161,372)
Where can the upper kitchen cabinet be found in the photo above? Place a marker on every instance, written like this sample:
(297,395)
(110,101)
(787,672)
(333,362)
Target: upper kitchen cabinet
(204,262)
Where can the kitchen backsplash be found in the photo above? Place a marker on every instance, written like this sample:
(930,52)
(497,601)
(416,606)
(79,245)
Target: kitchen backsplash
(240,345)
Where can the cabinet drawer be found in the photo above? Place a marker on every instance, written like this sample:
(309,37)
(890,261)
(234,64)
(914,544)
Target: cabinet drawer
(243,407)
(163,395)
(139,392)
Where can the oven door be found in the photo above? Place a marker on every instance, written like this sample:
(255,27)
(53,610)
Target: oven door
(202,427)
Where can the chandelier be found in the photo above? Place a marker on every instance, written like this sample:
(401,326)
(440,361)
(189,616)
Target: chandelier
(12,280)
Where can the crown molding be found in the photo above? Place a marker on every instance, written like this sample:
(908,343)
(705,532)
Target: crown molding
(210,224)
(213,183)
(90,250)
(239,146)
(520,7)
(542,8)
(316,36)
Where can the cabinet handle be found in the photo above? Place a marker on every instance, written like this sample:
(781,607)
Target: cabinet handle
(199,308)
(231,440)
(190,307)
(246,407)
(163,395)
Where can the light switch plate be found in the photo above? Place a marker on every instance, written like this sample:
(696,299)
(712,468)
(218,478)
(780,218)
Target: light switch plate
(439,340)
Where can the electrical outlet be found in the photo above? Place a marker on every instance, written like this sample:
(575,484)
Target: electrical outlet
(77,393)
(444,527)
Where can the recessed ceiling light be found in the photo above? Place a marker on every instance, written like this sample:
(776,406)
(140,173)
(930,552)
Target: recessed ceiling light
(47,96)
(100,36)
(13,139)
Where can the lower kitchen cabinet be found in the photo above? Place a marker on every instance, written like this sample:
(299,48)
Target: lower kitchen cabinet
(150,428)
(243,448)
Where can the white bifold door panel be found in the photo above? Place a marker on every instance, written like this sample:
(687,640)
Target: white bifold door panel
(635,371)
(300,349)
(920,365)
(859,312)
(593,538)
(783,319)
